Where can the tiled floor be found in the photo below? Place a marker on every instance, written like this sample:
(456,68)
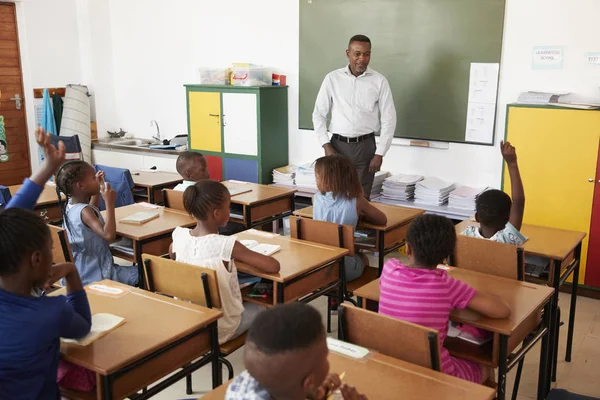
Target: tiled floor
(581,376)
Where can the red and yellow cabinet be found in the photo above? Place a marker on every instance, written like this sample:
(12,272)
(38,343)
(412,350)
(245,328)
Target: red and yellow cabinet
(558,153)
(242,131)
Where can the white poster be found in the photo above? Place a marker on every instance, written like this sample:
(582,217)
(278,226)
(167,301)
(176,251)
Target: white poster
(481,110)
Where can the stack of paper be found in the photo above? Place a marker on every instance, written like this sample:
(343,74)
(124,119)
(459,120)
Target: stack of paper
(433,191)
(305,176)
(400,187)
(284,175)
(465,197)
(380,177)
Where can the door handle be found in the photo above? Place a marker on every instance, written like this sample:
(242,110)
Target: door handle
(216,115)
(17,99)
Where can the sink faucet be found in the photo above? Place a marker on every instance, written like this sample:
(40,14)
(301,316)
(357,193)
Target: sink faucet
(157,137)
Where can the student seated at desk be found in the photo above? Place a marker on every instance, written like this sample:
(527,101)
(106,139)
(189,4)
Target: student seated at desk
(31,327)
(192,167)
(422,294)
(341,200)
(208,201)
(88,233)
(500,218)
(286,358)
(29,193)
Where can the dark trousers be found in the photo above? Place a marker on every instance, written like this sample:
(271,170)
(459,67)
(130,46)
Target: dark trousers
(360,154)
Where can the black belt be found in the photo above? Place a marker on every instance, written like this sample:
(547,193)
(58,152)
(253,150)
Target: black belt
(352,139)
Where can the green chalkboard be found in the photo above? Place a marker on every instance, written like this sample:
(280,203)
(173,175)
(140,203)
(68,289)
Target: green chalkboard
(423,47)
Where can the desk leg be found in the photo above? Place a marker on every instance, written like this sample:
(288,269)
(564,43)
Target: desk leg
(573,303)
(342,293)
(554,323)
(502,367)
(151,195)
(381,250)
(248,216)
(280,297)
(217,372)
(107,390)
(137,246)
(543,378)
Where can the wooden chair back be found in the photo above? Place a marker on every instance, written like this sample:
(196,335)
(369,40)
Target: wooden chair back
(403,340)
(61,248)
(173,199)
(326,233)
(489,257)
(184,281)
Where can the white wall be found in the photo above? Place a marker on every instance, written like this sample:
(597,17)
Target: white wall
(49,44)
(151,48)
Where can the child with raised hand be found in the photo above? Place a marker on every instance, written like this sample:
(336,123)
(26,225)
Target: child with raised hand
(422,294)
(500,218)
(208,202)
(341,200)
(286,358)
(88,232)
(27,196)
(31,327)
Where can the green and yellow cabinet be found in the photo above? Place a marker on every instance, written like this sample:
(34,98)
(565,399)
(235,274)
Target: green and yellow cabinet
(242,131)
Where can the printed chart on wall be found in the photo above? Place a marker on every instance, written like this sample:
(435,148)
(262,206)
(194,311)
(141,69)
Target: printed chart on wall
(3,142)
(481,110)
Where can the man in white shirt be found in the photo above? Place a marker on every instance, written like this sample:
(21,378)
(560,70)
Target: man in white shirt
(360,102)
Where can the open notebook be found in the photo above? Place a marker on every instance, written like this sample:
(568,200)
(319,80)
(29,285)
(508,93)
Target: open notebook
(262,248)
(140,217)
(102,323)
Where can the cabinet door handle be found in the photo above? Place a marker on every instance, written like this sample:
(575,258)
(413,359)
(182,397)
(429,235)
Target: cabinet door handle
(216,115)
(592,180)
(223,120)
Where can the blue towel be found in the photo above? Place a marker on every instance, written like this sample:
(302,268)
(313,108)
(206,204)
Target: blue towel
(48,122)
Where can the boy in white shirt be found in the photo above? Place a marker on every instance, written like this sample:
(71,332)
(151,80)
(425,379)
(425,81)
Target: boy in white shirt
(192,167)
(500,218)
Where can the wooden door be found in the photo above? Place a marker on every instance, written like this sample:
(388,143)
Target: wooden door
(17,167)
(592,272)
(558,152)
(204,109)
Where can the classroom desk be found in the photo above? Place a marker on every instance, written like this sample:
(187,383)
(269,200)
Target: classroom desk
(390,236)
(47,205)
(148,185)
(152,237)
(563,248)
(381,377)
(308,270)
(262,205)
(525,301)
(160,336)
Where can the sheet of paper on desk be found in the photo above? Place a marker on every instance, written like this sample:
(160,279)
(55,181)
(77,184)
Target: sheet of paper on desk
(346,349)
(106,290)
(102,323)
(234,191)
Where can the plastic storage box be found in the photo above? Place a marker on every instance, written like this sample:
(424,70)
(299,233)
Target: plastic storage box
(252,76)
(213,76)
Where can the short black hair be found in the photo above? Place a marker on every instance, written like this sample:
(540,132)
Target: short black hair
(289,327)
(187,156)
(432,239)
(493,208)
(359,38)
(21,233)
(204,197)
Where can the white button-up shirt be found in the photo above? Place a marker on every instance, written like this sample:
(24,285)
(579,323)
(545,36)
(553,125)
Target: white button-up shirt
(358,105)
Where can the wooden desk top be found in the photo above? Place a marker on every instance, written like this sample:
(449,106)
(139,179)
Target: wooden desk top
(47,197)
(167,222)
(382,377)
(296,256)
(152,321)
(396,216)
(259,193)
(542,241)
(151,179)
(523,299)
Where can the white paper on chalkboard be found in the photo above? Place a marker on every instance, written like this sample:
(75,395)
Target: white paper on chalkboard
(481,110)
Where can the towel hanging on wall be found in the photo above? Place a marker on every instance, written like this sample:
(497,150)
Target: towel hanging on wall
(76,118)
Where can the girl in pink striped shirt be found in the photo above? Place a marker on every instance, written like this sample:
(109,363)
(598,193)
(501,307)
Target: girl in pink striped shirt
(422,294)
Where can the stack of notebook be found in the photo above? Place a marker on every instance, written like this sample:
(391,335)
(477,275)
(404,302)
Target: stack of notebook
(465,197)
(305,176)
(400,187)
(380,177)
(433,192)
(284,175)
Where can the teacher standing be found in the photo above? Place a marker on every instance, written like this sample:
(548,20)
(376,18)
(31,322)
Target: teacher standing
(360,102)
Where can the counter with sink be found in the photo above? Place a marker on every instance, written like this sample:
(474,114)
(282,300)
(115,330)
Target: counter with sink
(133,153)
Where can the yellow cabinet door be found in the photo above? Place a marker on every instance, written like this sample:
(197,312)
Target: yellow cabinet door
(205,121)
(557,152)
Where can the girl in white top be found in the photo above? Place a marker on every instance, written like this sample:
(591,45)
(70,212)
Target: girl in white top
(208,201)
